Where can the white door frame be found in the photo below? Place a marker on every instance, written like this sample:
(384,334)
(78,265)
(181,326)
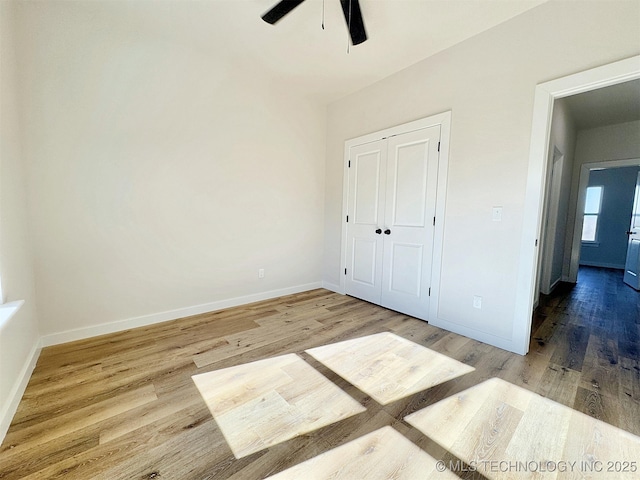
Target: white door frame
(545,95)
(550,225)
(444,120)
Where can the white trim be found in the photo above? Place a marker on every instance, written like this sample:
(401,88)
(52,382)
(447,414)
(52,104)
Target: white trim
(444,121)
(493,340)
(331,286)
(15,396)
(587,243)
(585,170)
(8,310)
(617,266)
(345,209)
(545,94)
(441,198)
(550,226)
(120,325)
(554,285)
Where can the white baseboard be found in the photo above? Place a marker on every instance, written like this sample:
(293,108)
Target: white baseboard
(500,342)
(120,325)
(617,266)
(551,287)
(332,286)
(11,406)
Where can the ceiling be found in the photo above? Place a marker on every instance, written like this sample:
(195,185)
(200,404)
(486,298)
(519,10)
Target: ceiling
(606,106)
(296,51)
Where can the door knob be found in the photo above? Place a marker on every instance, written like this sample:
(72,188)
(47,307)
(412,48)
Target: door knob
(630,233)
(378,231)
(387,231)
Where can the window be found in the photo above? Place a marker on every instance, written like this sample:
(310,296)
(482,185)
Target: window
(592,206)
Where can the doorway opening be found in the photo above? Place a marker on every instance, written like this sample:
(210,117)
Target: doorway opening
(551,260)
(603,232)
(602,226)
(545,97)
(593,226)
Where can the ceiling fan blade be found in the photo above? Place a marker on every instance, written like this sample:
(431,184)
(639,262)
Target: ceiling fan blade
(354,20)
(279,10)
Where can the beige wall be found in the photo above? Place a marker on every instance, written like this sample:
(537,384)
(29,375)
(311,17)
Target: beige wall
(161,176)
(608,143)
(488,82)
(18,336)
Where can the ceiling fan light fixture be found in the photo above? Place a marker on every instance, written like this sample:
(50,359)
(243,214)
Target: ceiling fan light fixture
(279,10)
(350,8)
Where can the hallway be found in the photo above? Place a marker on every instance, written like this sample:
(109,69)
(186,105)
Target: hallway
(591,331)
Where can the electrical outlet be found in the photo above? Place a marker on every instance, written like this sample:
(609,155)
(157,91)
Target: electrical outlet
(261,273)
(477,302)
(496,214)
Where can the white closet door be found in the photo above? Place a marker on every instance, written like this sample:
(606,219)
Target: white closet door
(367,175)
(412,171)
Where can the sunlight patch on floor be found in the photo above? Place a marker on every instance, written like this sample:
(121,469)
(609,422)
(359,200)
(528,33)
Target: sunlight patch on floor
(388,367)
(263,403)
(380,455)
(505,431)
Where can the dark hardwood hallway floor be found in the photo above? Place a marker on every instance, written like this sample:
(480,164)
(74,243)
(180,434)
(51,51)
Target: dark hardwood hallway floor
(594,331)
(124,406)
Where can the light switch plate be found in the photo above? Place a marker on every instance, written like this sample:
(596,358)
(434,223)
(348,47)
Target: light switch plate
(477,302)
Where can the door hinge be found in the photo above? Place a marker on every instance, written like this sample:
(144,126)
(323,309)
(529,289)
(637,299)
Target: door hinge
(438,146)
(349,165)
(536,242)
(345,271)
(347,218)
(429,291)
(434,221)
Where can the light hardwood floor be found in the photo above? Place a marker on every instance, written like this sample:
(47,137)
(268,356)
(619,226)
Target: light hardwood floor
(260,404)
(125,406)
(388,367)
(503,431)
(380,455)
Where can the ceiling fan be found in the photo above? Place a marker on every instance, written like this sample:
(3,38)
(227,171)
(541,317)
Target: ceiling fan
(350,8)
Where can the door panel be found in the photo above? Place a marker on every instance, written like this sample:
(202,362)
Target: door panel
(632,265)
(406,273)
(409,189)
(412,169)
(365,209)
(363,266)
(367,187)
